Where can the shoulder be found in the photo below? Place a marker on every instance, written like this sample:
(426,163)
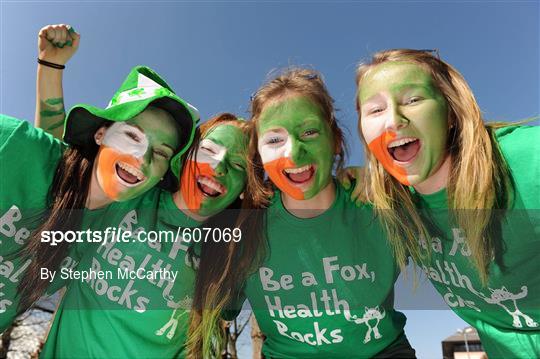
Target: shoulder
(21,137)
(518,138)
(520,147)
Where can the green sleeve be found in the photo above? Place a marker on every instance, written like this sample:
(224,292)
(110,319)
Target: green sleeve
(520,146)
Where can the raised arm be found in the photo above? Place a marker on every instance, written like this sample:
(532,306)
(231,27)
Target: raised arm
(56,45)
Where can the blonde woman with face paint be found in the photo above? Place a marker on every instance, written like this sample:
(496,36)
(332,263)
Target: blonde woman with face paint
(460,196)
(319,286)
(113,155)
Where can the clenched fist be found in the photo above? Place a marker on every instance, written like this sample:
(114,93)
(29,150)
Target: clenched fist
(57,43)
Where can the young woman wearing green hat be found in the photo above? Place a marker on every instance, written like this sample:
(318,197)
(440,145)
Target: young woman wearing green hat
(113,155)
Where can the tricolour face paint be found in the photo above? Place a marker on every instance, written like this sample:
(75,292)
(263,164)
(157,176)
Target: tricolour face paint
(217,175)
(404,120)
(296,147)
(120,158)
(134,155)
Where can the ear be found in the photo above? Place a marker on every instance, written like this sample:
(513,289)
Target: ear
(98,136)
(241,195)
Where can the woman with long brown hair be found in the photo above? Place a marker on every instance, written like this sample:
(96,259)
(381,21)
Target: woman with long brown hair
(456,194)
(319,285)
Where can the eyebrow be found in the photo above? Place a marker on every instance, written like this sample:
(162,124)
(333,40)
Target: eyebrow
(273,132)
(413,86)
(215,142)
(402,87)
(169,147)
(136,126)
(308,121)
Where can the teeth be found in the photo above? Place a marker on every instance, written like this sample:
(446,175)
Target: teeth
(211,183)
(298,170)
(401,142)
(132,170)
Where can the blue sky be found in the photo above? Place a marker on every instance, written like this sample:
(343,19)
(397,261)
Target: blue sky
(215,54)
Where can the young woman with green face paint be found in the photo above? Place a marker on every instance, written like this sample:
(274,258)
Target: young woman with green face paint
(296,263)
(429,151)
(215,174)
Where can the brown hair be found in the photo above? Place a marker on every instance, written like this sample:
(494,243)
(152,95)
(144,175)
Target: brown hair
(67,197)
(479,181)
(220,292)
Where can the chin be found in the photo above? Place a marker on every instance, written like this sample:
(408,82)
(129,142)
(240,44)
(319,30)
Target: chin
(126,196)
(204,212)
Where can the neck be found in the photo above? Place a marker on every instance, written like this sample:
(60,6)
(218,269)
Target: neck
(96,197)
(309,208)
(182,206)
(436,181)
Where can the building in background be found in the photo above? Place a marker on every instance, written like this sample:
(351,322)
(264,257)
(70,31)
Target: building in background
(464,344)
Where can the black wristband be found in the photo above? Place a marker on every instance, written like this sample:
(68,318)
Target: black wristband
(50,64)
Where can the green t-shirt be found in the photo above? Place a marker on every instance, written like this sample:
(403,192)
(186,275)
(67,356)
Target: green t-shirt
(326,287)
(28,160)
(117,316)
(506,312)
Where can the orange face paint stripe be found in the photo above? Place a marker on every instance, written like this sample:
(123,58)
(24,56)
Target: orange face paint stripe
(188,185)
(275,172)
(379,149)
(107,169)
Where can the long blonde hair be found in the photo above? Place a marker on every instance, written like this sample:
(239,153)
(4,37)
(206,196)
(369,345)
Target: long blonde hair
(479,183)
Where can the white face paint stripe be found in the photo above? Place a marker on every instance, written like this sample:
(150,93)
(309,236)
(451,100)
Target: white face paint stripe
(116,138)
(211,153)
(271,152)
(373,128)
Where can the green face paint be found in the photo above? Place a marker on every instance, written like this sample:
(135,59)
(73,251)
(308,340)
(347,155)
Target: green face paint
(217,176)
(52,113)
(135,154)
(404,120)
(296,147)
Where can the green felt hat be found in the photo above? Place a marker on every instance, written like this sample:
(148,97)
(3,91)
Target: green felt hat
(141,88)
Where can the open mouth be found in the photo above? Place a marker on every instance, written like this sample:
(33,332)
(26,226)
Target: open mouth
(128,174)
(300,175)
(404,149)
(210,187)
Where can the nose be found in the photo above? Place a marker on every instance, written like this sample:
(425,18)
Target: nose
(297,151)
(147,157)
(221,169)
(396,120)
